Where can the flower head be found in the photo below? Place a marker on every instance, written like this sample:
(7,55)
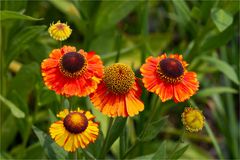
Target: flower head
(168,78)
(76,129)
(72,73)
(119,93)
(59,31)
(193,119)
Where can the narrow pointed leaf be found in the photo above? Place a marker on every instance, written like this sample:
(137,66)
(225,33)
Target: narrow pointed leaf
(179,153)
(161,152)
(21,39)
(52,150)
(67,8)
(224,67)
(116,130)
(14,109)
(153,129)
(7,15)
(215,90)
(218,39)
(111,12)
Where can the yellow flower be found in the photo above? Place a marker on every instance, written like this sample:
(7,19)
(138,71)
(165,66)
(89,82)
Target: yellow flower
(193,119)
(76,129)
(59,31)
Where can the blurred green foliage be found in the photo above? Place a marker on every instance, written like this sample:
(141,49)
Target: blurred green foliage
(205,32)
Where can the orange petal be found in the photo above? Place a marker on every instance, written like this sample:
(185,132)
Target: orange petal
(134,105)
(165,91)
(187,88)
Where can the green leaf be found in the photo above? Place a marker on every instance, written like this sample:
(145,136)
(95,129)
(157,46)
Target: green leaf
(111,12)
(33,151)
(8,132)
(221,19)
(224,67)
(116,130)
(21,39)
(7,15)
(205,9)
(52,117)
(67,8)
(46,96)
(27,82)
(218,39)
(182,11)
(161,152)
(14,5)
(179,153)
(145,157)
(14,109)
(232,7)
(153,129)
(215,90)
(52,150)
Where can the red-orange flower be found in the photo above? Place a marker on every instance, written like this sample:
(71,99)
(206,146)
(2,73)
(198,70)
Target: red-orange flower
(168,78)
(72,73)
(119,93)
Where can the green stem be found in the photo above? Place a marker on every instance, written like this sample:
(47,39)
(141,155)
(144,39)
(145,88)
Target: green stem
(60,44)
(75,155)
(104,147)
(211,135)
(152,113)
(195,137)
(88,155)
(151,116)
(144,29)
(123,142)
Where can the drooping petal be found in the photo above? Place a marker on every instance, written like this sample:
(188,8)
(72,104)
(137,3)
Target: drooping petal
(113,105)
(187,88)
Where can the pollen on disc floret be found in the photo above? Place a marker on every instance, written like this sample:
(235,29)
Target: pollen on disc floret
(118,78)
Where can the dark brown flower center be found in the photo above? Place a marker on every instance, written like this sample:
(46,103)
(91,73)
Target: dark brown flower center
(75,122)
(72,64)
(171,67)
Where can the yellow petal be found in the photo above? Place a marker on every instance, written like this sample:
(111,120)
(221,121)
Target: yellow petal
(63,113)
(69,144)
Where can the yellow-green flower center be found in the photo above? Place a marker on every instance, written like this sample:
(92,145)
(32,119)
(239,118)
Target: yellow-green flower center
(118,78)
(193,119)
(75,122)
(72,64)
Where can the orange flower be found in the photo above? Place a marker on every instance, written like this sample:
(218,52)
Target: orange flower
(76,129)
(168,78)
(119,93)
(72,73)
